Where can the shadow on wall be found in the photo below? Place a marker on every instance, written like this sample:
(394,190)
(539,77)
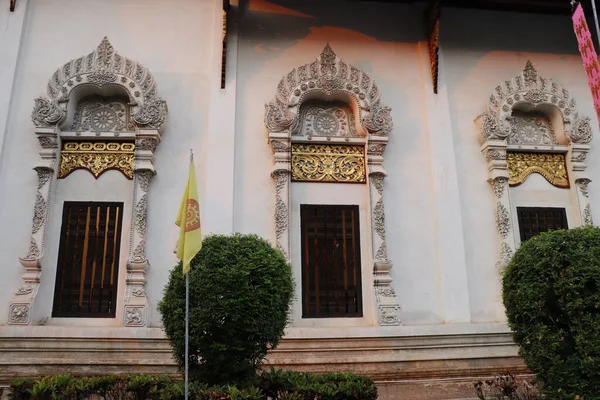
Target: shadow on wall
(268,28)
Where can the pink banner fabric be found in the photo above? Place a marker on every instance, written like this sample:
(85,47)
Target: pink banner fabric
(589,56)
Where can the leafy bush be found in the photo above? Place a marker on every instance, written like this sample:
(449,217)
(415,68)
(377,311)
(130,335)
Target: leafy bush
(551,291)
(274,385)
(240,294)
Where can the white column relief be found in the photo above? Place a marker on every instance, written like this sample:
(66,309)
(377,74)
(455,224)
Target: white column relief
(21,305)
(502,132)
(388,306)
(145,120)
(282,176)
(582,180)
(325,76)
(136,306)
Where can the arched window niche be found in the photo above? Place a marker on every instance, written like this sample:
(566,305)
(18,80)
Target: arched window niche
(328,130)
(98,128)
(535,143)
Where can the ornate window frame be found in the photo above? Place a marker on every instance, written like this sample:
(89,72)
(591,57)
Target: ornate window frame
(530,88)
(328,75)
(100,68)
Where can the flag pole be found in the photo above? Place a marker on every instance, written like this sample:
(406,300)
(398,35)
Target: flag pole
(187,313)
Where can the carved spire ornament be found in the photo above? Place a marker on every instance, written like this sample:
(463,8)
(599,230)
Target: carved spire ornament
(340,151)
(507,131)
(530,88)
(104,66)
(328,74)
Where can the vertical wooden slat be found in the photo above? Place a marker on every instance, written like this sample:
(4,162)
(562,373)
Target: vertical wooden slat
(335,261)
(71,256)
(103,273)
(84,257)
(306,272)
(115,249)
(64,246)
(93,277)
(326,266)
(353,251)
(345,260)
(316,258)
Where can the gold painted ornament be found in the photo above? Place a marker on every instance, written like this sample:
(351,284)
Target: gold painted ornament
(551,166)
(97,157)
(328,163)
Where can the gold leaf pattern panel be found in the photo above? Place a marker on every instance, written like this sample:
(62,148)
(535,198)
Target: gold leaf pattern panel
(328,163)
(97,157)
(551,166)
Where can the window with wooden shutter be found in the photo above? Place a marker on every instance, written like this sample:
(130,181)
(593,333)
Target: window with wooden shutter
(535,220)
(331,278)
(88,260)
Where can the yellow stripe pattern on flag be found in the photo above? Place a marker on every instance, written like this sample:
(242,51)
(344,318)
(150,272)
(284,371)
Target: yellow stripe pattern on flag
(188,220)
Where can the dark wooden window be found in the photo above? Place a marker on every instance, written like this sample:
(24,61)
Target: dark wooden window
(535,220)
(88,260)
(331,280)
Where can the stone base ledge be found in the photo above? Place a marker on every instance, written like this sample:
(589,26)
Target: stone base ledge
(401,364)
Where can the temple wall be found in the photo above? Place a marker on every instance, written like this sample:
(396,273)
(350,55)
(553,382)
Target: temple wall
(439,207)
(273,41)
(176,44)
(479,51)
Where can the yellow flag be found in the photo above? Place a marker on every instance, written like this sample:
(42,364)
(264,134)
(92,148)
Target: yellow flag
(188,220)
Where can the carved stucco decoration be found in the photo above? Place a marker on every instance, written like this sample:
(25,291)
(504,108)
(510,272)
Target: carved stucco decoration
(530,88)
(328,74)
(326,119)
(98,114)
(553,167)
(506,128)
(102,67)
(531,128)
(140,119)
(328,163)
(97,158)
(369,129)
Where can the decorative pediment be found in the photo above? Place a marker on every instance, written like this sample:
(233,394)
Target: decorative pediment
(102,67)
(328,75)
(530,88)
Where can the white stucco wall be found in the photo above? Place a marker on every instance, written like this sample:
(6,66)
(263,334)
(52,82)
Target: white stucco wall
(273,41)
(479,51)
(432,182)
(176,43)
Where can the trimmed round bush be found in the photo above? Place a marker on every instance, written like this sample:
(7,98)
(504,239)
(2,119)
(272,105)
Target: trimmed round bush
(551,291)
(240,294)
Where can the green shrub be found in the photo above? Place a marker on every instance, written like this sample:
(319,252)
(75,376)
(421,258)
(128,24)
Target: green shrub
(240,294)
(551,291)
(274,385)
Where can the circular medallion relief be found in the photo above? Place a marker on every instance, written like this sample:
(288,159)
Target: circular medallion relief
(326,124)
(103,119)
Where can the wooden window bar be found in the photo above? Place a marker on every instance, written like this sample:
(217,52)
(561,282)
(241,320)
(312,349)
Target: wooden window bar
(535,220)
(88,260)
(331,279)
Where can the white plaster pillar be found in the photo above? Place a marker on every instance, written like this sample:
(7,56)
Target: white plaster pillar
(388,305)
(282,174)
(450,240)
(495,154)
(21,306)
(578,154)
(137,304)
(11,34)
(220,157)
